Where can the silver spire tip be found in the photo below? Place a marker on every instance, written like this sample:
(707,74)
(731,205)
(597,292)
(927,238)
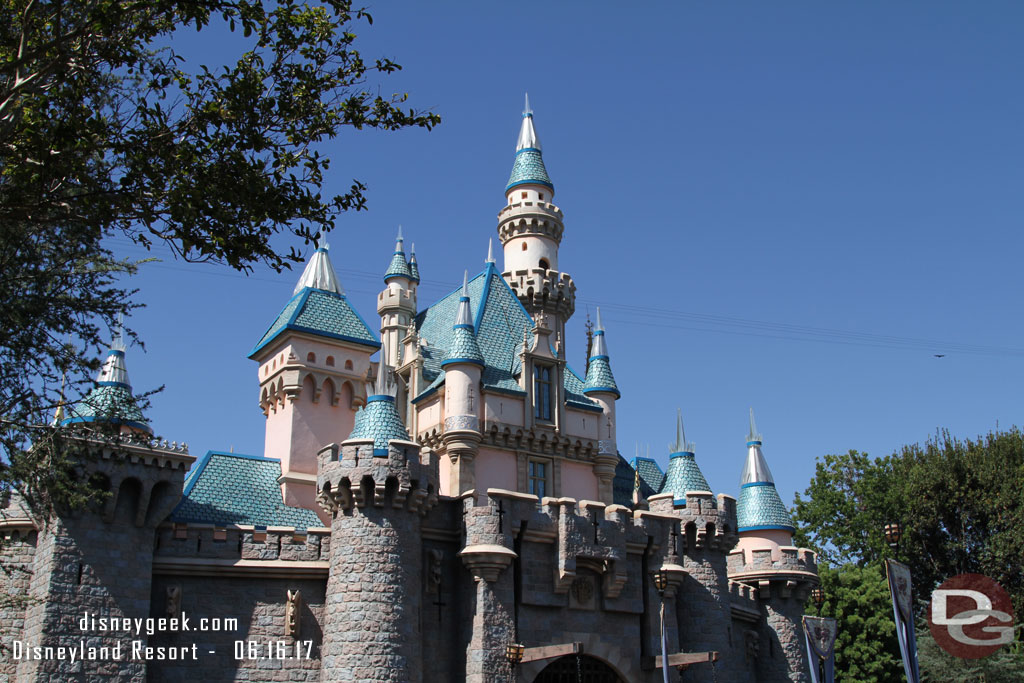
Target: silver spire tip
(526,108)
(490,250)
(753,436)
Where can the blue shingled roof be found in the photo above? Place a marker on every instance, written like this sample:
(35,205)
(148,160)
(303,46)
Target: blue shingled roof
(599,377)
(414,270)
(109,402)
(683,475)
(398,267)
(760,507)
(622,484)
(528,169)
(322,313)
(379,421)
(651,476)
(499,325)
(463,348)
(231,488)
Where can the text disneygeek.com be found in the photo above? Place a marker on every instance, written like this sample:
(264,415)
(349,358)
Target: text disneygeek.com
(98,642)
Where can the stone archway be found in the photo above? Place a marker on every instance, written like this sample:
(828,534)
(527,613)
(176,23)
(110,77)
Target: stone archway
(578,669)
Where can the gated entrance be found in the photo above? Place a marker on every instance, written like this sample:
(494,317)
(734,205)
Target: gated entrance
(578,669)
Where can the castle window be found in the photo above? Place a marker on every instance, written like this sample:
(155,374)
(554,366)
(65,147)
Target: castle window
(542,392)
(544,264)
(330,361)
(310,357)
(537,478)
(524,195)
(348,365)
(524,246)
(541,196)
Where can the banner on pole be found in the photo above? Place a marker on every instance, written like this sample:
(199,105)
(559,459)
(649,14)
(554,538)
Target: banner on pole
(821,641)
(898,575)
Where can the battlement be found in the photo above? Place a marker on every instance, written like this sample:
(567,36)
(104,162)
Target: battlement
(351,474)
(242,542)
(546,289)
(390,299)
(708,521)
(530,218)
(794,568)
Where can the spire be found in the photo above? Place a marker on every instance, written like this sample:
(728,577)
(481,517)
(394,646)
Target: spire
(759,506)
(398,267)
(414,270)
(529,165)
(111,400)
(681,445)
(527,135)
(683,473)
(599,370)
(319,273)
(379,420)
(754,435)
(490,251)
(464,347)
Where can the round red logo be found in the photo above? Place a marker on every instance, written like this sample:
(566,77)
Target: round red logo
(971,616)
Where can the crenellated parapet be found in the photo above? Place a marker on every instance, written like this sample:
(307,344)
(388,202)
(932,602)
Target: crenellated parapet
(351,475)
(708,521)
(788,569)
(528,217)
(543,289)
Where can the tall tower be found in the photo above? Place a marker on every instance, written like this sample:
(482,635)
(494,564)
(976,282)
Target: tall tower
(766,558)
(81,558)
(376,487)
(462,370)
(396,304)
(313,362)
(601,387)
(530,228)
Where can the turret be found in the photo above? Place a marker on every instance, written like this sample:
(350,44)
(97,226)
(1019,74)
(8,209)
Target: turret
(462,366)
(600,386)
(683,472)
(530,228)
(110,401)
(376,486)
(313,361)
(396,304)
(766,559)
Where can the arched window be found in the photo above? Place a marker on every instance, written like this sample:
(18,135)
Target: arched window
(310,357)
(348,365)
(330,361)
(524,246)
(544,264)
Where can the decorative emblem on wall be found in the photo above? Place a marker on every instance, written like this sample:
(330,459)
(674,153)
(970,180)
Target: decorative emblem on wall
(173,605)
(292,616)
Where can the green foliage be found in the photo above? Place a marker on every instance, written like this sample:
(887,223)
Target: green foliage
(866,647)
(105,130)
(961,504)
(937,666)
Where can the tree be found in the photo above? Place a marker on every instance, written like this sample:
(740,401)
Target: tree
(866,647)
(104,131)
(961,505)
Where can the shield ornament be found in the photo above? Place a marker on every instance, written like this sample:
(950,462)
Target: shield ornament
(899,583)
(821,635)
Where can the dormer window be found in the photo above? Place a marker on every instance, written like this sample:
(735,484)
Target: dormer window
(542,392)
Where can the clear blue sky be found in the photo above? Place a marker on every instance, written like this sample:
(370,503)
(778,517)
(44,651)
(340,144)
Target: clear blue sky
(790,206)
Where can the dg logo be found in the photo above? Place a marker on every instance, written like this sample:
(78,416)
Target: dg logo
(971,616)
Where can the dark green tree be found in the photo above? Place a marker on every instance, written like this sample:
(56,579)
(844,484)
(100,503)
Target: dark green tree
(960,502)
(106,130)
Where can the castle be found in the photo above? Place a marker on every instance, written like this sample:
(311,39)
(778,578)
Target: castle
(457,510)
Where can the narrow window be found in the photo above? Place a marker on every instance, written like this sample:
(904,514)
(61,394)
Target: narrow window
(542,392)
(541,196)
(348,365)
(524,195)
(330,361)
(538,478)
(544,264)
(310,357)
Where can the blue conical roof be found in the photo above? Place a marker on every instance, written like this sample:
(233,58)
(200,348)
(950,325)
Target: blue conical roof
(599,369)
(759,506)
(683,473)
(414,269)
(398,267)
(464,347)
(528,168)
(111,400)
(379,420)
